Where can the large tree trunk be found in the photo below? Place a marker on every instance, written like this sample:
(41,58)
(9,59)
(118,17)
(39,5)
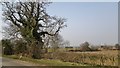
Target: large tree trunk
(37,50)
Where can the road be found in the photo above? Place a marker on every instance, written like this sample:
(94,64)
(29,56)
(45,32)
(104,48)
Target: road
(13,62)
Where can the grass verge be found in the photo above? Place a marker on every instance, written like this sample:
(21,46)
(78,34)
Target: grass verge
(45,62)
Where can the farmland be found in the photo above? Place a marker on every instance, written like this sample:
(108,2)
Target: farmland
(97,58)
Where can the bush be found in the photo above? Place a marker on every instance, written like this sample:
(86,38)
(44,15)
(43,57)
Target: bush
(20,46)
(7,47)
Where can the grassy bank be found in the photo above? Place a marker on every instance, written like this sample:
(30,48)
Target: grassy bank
(45,62)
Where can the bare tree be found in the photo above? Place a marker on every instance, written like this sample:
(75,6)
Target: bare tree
(85,46)
(56,42)
(32,23)
(117,46)
(66,43)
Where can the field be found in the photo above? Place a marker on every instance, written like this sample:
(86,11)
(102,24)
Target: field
(97,58)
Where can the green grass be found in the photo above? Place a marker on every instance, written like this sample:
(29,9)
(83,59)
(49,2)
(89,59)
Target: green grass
(58,63)
(46,62)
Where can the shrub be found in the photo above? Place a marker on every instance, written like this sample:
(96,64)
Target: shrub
(7,47)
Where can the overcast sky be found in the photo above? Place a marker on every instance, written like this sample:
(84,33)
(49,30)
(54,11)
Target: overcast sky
(95,22)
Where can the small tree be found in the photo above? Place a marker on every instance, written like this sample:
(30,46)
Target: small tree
(66,45)
(56,42)
(117,46)
(85,46)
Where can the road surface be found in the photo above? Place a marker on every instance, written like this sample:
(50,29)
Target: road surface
(13,62)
